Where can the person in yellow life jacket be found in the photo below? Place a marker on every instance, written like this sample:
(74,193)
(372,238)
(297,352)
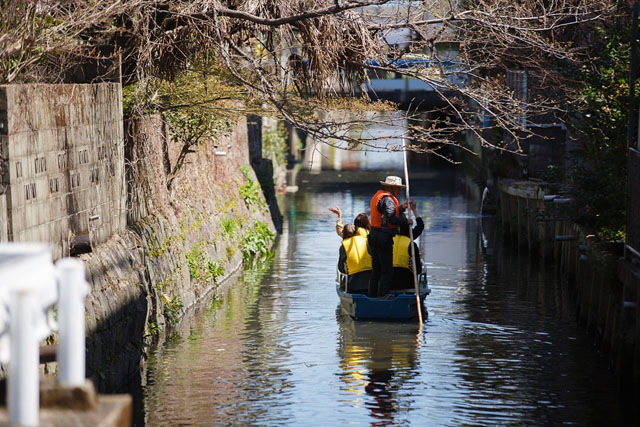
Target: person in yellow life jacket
(402,268)
(363,226)
(361,222)
(386,216)
(354,259)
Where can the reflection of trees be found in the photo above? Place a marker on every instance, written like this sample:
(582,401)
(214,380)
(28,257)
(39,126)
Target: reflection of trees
(230,352)
(494,346)
(519,344)
(265,351)
(377,359)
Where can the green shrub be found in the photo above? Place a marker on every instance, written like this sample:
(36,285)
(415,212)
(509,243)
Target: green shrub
(258,241)
(201,267)
(171,309)
(554,175)
(214,270)
(229,227)
(251,191)
(196,259)
(274,143)
(231,250)
(600,180)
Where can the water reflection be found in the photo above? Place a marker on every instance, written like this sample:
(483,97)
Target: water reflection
(501,345)
(217,360)
(377,360)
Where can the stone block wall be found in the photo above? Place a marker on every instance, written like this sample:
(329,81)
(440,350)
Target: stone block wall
(146,276)
(68,168)
(62,160)
(146,153)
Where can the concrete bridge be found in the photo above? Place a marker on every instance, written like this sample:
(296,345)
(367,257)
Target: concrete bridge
(411,92)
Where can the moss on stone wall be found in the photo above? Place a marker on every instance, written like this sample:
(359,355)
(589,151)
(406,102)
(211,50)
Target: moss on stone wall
(181,245)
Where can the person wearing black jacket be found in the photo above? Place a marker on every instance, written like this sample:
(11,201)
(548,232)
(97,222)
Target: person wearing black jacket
(386,217)
(402,266)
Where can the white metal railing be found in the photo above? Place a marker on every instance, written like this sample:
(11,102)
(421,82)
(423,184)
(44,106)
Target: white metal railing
(30,286)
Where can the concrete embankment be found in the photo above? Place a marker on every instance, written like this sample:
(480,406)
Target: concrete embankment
(605,285)
(181,244)
(156,238)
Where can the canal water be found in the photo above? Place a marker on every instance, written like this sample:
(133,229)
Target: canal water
(500,345)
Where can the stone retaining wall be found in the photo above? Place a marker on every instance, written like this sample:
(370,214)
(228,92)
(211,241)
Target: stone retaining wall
(145,278)
(605,285)
(156,251)
(62,163)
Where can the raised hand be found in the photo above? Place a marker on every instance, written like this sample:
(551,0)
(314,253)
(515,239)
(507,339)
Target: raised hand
(336,210)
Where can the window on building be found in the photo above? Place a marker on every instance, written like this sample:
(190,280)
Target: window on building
(83,156)
(18,170)
(62,161)
(96,175)
(40,164)
(53,185)
(30,191)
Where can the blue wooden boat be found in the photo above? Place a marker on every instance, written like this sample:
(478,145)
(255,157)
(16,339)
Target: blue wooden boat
(399,305)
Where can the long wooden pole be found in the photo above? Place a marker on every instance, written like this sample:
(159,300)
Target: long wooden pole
(413,250)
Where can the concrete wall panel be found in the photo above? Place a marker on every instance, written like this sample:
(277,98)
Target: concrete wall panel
(57,179)
(3,218)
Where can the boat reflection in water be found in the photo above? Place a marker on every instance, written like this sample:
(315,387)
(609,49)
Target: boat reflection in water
(376,360)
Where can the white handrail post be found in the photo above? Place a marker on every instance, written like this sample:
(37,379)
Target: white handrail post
(71,312)
(24,388)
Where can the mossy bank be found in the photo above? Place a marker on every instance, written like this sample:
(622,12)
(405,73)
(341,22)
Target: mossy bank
(187,233)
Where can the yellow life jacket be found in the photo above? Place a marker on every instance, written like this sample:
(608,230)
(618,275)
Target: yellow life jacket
(358,258)
(362,232)
(401,251)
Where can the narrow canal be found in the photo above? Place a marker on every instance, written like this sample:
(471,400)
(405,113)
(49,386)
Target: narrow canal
(500,346)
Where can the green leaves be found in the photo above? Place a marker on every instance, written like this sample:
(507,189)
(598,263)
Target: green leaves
(251,191)
(257,242)
(201,267)
(274,143)
(599,184)
(196,260)
(251,194)
(171,309)
(214,270)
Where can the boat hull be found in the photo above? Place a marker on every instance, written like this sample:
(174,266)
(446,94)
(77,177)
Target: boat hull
(401,307)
